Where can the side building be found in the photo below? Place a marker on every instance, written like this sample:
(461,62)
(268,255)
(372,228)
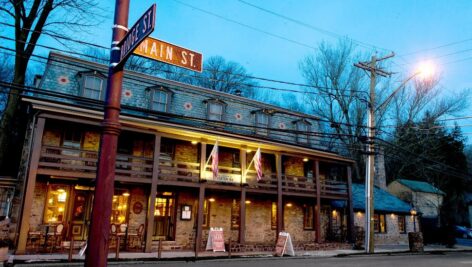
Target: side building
(164,187)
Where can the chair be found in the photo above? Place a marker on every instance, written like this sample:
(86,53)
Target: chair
(34,237)
(113,234)
(56,236)
(136,239)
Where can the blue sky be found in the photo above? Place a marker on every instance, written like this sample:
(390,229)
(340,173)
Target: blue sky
(402,26)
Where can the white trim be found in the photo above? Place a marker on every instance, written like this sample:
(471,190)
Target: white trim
(116,48)
(120,27)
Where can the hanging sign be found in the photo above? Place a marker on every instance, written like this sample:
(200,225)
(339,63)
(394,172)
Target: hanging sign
(136,34)
(284,245)
(169,53)
(216,241)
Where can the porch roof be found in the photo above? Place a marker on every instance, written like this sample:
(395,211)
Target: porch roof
(419,186)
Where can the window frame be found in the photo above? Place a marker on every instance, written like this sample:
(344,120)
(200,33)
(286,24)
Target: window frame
(210,113)
(303,136)
(206,214)
(262,128)
(273,216)
(308,208)
(152,100)
(85,89)
(378,223)
(235,214)
(401,220)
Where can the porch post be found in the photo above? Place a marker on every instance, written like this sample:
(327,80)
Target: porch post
(198,238)
(318,202)
(152,193)
(280,217)
(30,185)
(242,217)
(349,205)
(203,147)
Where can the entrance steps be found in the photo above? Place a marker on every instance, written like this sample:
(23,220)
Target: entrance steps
(166,246)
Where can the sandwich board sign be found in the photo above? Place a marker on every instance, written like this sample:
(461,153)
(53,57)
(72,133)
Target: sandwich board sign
(284,245)
(216,241)
(136,34)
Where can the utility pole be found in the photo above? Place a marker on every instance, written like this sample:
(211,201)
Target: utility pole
(97,246)
(373,70)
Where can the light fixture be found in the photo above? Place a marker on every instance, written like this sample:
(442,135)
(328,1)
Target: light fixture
(248,150)
(289,204)
(392,216)
(248,201)
(413,212)
(194,142)
(305,159)
(126,194)
(62,197)
(359,214)
(211,199)
(60,209)
(334,213)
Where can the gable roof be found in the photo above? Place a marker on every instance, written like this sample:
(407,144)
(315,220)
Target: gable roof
(419,186)
(383,200)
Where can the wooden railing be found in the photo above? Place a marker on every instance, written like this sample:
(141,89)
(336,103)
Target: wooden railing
(332,187)
(171,170)
(64,161)
(268,181)
(298,184)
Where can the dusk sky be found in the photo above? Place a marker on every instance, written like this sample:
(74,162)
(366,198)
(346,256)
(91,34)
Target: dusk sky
(271,45)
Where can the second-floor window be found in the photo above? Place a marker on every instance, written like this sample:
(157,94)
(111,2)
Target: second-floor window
(302,135)
(262,123)
(159,100)
(93,87)
(215,111)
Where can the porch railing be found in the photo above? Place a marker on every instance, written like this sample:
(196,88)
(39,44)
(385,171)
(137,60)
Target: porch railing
(173,170)
(64,161)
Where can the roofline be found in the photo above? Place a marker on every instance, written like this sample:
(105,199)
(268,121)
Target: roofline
(145,77)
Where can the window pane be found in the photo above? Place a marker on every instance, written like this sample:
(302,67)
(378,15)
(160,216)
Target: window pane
(308,217)
(92,87)
(273,218)
(159,100)
(215,111)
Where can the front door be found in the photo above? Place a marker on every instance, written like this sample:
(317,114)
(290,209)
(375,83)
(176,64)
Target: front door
(164,217)
(80,214)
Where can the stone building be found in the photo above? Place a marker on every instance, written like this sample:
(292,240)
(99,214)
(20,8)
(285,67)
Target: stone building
(392,217)
(164,190)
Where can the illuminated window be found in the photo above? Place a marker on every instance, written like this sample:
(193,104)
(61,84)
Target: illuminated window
(273,218)
(120,207)
(308,217)
(206,214)
(380,225)
(235,209)
(401,224)
(56,203)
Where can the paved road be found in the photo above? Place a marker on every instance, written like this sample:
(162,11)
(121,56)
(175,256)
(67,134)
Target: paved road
(459,259)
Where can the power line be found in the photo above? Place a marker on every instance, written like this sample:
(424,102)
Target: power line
(306,25)
(437,47)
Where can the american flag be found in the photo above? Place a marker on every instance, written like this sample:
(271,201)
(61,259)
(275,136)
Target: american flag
(214,160)
(258,164)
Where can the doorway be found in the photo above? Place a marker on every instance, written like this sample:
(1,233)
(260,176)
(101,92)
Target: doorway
(164,217)
(80,213)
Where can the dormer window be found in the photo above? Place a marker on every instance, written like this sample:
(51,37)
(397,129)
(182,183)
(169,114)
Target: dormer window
(262,122)
(93,87)
(159,99)
(303,128)
(215,109)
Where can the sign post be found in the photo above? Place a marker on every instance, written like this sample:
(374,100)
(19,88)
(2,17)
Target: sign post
(122,38)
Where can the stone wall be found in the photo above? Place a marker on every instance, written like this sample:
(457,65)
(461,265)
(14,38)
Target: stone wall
(185,233)
(293,223)
(37,208)
(293,166)
(186,152)
(258,221)
(392,236)
(138,196)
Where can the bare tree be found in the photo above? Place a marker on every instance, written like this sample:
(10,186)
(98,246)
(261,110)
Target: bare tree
(31,20)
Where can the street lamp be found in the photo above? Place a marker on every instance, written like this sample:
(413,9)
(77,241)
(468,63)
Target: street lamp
(425,69)
(413,214)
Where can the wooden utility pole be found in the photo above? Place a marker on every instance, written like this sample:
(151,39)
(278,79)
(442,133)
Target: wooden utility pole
(373,70)
(97,246)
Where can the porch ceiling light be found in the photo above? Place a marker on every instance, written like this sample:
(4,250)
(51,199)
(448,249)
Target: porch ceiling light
(211,199)
(126,194)
(248,201)
(289,204)
(194,142)
(305,159)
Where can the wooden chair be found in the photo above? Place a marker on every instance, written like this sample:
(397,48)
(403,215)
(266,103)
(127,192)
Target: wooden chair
(34,238)
(136,239)
(55,237)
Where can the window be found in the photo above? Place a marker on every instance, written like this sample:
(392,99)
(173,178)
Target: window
(380,225)
(206,214)
(56,204)
(302,128)
(235,208)
(262,123)
(308,217)
(215,111)
(6,197)
(159,100)
(401,224)
(120,207)
(93,86)
(273,217)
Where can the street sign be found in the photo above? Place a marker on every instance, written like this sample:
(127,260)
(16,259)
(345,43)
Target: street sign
(140,30)
(169,53)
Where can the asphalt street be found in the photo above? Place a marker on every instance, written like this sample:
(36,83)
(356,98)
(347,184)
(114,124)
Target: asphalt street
(398,260)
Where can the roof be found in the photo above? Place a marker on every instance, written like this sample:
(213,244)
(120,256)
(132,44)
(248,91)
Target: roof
(468,198)
(419,186)
(383,200)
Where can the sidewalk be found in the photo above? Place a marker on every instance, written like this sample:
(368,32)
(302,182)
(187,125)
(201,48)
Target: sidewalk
(138,257)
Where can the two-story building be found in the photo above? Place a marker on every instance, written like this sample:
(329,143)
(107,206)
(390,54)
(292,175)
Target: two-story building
(164,190)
